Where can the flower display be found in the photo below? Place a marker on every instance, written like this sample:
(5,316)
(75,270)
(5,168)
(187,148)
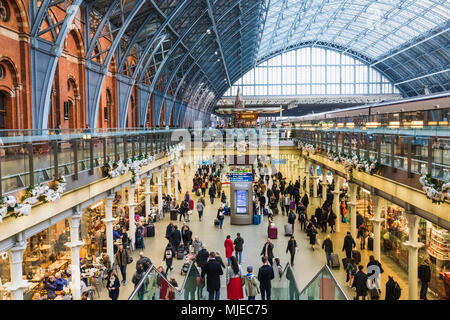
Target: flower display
(33,194)
(437,191)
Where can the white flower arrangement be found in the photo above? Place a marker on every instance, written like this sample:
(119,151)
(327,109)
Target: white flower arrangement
(306,147)
(436,192)
(354,162)
(33,195)
(134,165)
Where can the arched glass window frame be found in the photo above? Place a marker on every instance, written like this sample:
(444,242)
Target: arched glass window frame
(279,75)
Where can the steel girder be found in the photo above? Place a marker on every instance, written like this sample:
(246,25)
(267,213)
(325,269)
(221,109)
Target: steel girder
(45,54)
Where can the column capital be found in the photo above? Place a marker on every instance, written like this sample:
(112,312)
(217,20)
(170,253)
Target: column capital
(132,205)
(109,220)
(376,221)
(74,244)
(336,192)
(23,284)
(315,177)
(352,203)
(413,246)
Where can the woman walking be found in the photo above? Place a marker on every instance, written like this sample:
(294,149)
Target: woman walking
(113,286)
(200,208)
(234,280)
(229,248)
(292,247)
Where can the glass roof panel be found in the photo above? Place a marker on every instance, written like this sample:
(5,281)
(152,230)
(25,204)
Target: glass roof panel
(372,27)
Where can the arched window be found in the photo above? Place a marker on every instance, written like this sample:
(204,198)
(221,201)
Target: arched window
(3,98)
(4,11)
(108,105)
(312,71)
(2,72)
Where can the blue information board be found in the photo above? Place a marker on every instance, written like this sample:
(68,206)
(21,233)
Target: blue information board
(241,177)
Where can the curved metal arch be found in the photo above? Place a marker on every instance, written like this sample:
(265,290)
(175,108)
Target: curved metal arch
(45,53)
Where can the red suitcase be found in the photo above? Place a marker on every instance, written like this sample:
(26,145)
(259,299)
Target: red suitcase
(273,232)
(191,204)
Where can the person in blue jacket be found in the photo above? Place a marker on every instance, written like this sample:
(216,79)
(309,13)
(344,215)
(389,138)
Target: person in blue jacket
(51,287)
(60,282)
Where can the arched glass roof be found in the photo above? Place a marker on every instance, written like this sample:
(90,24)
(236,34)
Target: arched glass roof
(312,71)
(192,51)
(370,27)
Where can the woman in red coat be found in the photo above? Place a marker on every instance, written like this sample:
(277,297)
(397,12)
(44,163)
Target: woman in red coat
(229,248)
(234,280)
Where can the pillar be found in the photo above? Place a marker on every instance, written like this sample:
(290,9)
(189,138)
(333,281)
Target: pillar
(352,208)
(132,220)
(177,178)
(169,179)
(315,178)
(109,221)
(376,222)
(301,166)
(17,284)
(413,246)
(336,204)
(307,165)
(160,192)
(75,244)
(324,185)
(148,194)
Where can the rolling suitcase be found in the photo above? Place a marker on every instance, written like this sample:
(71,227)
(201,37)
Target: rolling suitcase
(191,204)
(256,219)
(150,230)
(185,268)
(370,244)
(374,295)
(288,229)
(335,264)
(197,192)
(345,262)
(273,232)
(265,211)
(180,253)
(173,214)
(216,222)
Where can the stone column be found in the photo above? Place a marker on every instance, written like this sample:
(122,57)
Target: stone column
(324,185)
(413,246)
(148,193)
(160,192)
(169,179)
(177,178)
(307,165)
(336,203)
(315,178)
(17,284)
(109,220)
(132,220)
(75,244)
(376,222)
(352,208)
(301,166)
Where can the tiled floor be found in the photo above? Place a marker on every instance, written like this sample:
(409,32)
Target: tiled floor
(307,261)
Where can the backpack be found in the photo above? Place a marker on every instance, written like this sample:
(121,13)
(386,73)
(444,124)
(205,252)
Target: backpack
(397,291)
(168,254)
(203,185)
(302,216)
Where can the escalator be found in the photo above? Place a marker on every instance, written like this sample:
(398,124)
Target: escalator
(154,286)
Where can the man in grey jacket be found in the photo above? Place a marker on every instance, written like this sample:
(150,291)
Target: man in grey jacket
(197,245)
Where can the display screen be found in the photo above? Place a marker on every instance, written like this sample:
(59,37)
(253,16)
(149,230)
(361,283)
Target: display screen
(241,210)
(241,198)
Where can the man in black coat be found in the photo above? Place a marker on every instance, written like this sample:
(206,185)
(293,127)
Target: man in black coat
(265,276)
(425,277)
(169,230)
(327,246)
(202,257)
(186,235)
(349,244)
(213,271)
(267,251)
(360,282)
(175,238)
(390,289)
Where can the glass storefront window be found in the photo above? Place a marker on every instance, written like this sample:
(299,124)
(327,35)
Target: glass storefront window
(45,255)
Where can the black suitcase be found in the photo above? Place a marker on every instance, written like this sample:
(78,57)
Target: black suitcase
(373,293)
(150,230)
(185,268)
(216,222)
(370,244)
(356,256)
(180,253)
(335,264)
(345,262)
(173,214)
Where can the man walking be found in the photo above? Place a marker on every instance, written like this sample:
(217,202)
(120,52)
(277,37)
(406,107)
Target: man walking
(327,246)
(349,244)
(121,259)
(267,251)
(213,271)
(238,247)
(425,277)
(265,276)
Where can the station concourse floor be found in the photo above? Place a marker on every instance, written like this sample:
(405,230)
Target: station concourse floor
(306,264)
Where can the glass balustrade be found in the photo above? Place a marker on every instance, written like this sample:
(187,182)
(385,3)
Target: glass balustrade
(323,286)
